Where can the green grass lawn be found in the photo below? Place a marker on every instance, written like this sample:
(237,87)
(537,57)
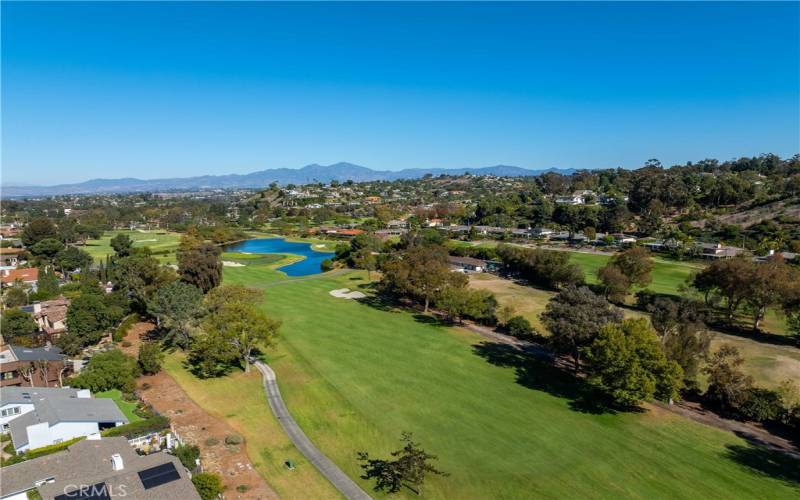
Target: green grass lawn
(355,376)
(239,400)
(667,275)
(126,407)
(163,244)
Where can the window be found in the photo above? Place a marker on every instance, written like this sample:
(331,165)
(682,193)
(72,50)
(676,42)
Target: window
(14,410)
(9,375)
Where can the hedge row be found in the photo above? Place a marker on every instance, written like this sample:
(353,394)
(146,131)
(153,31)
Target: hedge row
(122,329)
(140,428)
(40,452)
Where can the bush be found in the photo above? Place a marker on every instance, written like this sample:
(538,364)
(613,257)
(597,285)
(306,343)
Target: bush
(233,439)
(140,428)
(188,455)
(108,370)
(208,485)
(761,405)
(150,357)
(520,327)
(122,330)
(212,441)
(327,265)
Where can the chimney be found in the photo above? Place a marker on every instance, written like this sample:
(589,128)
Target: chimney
(116,462)
(37,307)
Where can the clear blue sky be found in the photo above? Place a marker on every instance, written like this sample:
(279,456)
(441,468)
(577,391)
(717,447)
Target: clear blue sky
(158,90)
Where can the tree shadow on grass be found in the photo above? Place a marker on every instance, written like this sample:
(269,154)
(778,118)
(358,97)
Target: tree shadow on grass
(774,464)
(427,319)
(539,373)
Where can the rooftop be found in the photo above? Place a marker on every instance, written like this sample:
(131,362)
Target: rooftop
(88,462)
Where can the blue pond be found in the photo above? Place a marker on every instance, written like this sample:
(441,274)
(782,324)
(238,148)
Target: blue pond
(311,264)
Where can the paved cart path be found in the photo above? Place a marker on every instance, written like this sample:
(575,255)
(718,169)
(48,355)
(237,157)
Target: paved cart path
(334,474)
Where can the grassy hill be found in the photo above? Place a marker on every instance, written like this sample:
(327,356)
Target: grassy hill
(163,244)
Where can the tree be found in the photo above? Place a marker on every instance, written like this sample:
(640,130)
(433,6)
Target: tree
(625,269)
(727,385)
(768,284)
(520,327)
(108,370)
(575,317)
(243,327)
(458,302)
(365,259)
(208,485)
(47,248)
(15,296)
(150,357)
(177,307)
(635,263)
(139,275)
(728,278)
(47,286)
(420,272)
(504,314)
(200,266)
(547,268)
(72,258)
(211,355)
(408,468)
(122,245)
(37,230)
(87,319)
(225,294)
(17,323)
(615,283)
(680,326)
(627,363)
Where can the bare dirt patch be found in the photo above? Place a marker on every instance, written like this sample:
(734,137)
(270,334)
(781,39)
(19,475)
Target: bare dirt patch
(197,427)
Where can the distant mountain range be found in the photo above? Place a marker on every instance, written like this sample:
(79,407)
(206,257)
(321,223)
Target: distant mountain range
(311,173)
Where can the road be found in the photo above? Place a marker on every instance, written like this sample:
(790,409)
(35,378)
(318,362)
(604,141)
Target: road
(334,474)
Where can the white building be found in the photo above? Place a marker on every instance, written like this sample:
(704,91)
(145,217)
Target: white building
(41,416)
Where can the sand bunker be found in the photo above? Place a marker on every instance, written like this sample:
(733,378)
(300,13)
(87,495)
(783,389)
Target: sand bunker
(345,293)
(228,263)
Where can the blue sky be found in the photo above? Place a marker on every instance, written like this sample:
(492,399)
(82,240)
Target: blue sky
(155,90)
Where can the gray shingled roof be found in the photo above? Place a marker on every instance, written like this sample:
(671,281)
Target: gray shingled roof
(52,353)
(29,394)
(88,462)
(56,410)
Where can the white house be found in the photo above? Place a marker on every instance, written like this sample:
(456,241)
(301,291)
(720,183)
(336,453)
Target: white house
(41,416)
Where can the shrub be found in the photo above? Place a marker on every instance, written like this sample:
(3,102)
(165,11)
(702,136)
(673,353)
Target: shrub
(122,330)
(327,265)
(233,439)
(242,488)
(212,441)
(108,370)
(150,357)
(126,343)
(208,485)
(188,455)
(761,405)
(140,428)
(520,327)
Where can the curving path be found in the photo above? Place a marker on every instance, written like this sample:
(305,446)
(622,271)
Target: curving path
(334,474)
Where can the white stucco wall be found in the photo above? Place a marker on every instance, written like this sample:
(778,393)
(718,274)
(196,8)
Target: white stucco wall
(40,435)
(24,408)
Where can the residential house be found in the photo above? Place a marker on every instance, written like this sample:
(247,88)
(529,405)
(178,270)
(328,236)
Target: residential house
(51,416)
(51,316)
(576,198)
(28,277)
(99,469)
(31,366)
(718,251)
(467,264)
(10,258)
(342,233)
(372,199)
